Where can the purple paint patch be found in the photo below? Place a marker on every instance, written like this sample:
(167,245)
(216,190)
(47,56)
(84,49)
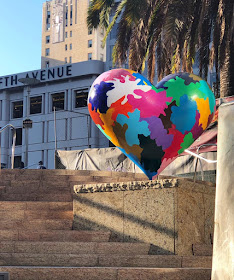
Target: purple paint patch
(160,134)
(156,100)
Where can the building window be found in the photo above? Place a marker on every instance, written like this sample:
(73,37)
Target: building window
(18,140)
(17,109)
(101,57)
(71,9)
(18,162)
(0,114)
(66,16)
(66,34)
(70,46)
(70,33)
(90,43)
(89,56)
(58,101)
(65,60)
(35,105)
(70,59)
(90,31)
(47,39)
(66,47)
(47,51)
(81,96)
(47,64)
(48,20)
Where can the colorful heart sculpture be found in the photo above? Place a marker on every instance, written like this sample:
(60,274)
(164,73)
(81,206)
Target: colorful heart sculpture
(151,125)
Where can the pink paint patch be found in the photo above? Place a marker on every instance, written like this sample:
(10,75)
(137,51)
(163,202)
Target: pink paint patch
(112,75)
(151,103)
(164,164)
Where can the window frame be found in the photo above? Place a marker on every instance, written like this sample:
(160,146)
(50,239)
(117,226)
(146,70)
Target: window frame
(47,41)
(80,89)
(51,100)
(12,109)
(35,96)
(90,57)
(47,52)
(90,45)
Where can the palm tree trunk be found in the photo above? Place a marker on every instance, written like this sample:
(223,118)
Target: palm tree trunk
(227,72)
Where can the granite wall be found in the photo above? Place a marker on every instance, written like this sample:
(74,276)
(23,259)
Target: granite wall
(170,214)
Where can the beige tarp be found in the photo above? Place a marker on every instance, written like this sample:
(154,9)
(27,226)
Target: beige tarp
(110,159)
(113,159)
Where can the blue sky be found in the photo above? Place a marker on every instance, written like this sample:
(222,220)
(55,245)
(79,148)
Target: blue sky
(20,35)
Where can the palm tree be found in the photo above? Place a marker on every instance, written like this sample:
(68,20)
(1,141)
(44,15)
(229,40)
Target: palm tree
(171,34)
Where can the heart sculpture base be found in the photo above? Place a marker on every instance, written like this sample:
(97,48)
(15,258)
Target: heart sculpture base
(152,125)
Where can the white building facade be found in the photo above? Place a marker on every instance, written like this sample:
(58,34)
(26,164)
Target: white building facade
(63,88)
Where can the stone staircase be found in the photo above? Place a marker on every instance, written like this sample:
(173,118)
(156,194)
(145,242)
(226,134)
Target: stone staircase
(37,240)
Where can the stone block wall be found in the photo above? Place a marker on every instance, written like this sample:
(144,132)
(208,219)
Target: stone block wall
(169,214)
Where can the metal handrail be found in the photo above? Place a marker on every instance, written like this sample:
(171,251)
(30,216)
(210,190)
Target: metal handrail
(13,144)
(199,158)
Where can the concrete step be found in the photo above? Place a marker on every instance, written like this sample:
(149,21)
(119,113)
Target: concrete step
(202,249)
(91,260)
(19,215)
(37,196)
(2,189)
(55,235)
(38,174)
(37,224)
(48,247)
(94,273)
(36,206)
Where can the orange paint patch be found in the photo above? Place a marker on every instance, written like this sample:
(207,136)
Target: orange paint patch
(108,126)
(204,110)
(121,109)
(95,116)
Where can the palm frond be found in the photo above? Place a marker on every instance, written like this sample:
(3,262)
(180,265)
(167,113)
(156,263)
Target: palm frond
(117,13)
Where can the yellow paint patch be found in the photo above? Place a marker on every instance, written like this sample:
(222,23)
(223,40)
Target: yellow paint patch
(204,110)
(195,77)
(107,127)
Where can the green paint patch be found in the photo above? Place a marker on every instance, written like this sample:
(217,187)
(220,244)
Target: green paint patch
(177,88)
(187,141)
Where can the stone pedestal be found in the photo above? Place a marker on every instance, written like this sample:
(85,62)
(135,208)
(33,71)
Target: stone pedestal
(170,214)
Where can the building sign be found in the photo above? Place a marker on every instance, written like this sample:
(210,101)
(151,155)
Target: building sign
(48,74)
(27,123)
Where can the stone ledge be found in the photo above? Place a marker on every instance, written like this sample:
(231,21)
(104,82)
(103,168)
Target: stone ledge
(126,186)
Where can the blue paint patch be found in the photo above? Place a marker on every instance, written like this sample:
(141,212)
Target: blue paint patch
(99,101)
(143,80)
(184,116)
(135,127)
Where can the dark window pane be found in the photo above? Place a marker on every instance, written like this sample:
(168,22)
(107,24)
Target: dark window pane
(58,101)
(17,109)
(18,140)
(81,97)
(17,162)
(35,105)
(47,39)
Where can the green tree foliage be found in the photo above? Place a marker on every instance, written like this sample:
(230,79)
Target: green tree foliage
(170,34)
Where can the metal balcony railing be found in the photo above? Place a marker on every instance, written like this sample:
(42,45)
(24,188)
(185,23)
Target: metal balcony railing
(199,158)
(13,144)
